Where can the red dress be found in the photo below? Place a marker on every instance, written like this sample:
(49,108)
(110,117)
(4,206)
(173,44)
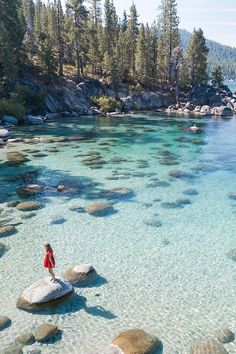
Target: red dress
(47,262)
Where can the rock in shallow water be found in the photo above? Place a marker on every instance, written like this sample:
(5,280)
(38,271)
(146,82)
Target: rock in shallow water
(25,339)
(79,274)
(99,209)
(29,206)
(3,249)
(232,254)
(45,332)
(137,341)
(4,322)
(45,293)
(13,349)
(224,335)
(209,346)
(7,230)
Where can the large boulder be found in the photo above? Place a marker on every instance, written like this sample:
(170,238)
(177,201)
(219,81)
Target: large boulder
(208,346)
(4,134)
(45,293)
(45,332)
(4,322)
(79,274)
(10,120)
(33,119)
(223,111)
(99,209)
(137,341)
(206,111)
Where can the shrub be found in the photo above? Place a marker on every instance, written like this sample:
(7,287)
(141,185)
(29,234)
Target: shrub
(33,100)
(106,103)
(12,107)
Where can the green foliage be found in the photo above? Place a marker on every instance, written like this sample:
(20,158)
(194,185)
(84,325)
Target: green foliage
(217,76)
(106,103)
(12,107)
(32,100)
(197,58)
(169,39)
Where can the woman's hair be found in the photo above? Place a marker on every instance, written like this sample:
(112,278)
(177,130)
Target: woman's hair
(48,247)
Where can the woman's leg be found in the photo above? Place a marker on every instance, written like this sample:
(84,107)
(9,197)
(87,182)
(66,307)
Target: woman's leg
(52,273)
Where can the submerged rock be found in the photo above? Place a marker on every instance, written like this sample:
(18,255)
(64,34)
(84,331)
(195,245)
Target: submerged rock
(190,192)
(224,335)
(154,223)
(232,195)
(25,339)
(232,254)
(45,332)
(10,120)
(33,119)
(137,341)
(13,349)
(3,249)
(29,190)
(179,174)
(29,206)
(119,193)
(4,322)
(99,209)
(16,158)
(7,230)
(45,293)
(209,346)
(79,274)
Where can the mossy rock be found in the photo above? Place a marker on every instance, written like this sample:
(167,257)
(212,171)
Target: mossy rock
(29,206)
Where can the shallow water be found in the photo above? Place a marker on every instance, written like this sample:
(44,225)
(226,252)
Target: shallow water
(162,261)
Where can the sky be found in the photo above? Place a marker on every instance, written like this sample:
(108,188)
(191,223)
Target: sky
(217,18)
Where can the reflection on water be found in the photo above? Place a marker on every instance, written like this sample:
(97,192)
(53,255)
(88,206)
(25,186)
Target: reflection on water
(161,256)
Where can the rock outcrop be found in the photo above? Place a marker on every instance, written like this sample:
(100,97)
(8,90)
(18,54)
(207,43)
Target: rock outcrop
(45,293)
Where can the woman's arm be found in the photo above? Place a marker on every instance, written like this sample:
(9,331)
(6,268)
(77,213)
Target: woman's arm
(51,261)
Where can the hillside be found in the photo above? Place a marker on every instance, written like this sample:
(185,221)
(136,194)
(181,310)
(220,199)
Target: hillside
(219,54)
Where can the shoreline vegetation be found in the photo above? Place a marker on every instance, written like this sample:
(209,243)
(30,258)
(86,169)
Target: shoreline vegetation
(83,59)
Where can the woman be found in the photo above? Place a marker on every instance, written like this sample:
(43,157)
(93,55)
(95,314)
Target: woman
(49,261)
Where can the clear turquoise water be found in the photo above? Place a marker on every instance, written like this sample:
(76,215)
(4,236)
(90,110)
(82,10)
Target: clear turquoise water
(174,280)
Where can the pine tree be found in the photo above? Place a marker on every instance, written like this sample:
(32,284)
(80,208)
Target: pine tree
(217,76)
(110,34)
(78,14)
(29,38)
(95,34)
(132,31)
(11,38)
(197,58)
(141,57)
(169,39)
(59,29)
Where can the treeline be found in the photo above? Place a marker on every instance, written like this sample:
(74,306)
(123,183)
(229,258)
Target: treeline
(93,41)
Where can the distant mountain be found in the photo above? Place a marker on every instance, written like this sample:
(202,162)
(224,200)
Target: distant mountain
(219,55)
